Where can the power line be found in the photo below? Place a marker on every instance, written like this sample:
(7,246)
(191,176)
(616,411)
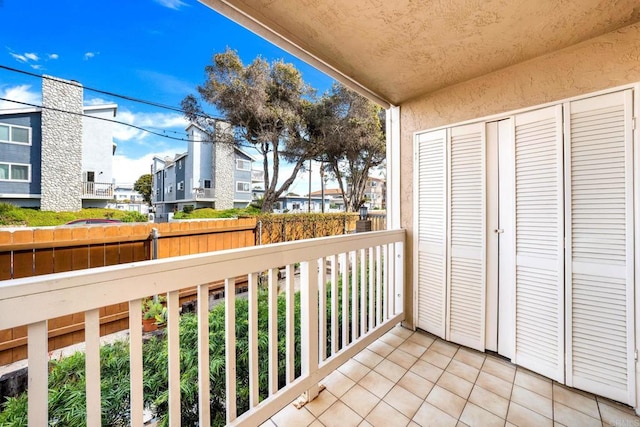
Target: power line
(98,118)
(104,92)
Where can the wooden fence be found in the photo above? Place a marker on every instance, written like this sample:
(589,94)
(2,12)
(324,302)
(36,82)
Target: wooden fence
(33,252)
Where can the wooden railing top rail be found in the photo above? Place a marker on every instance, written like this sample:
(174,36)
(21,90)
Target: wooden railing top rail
(34,299)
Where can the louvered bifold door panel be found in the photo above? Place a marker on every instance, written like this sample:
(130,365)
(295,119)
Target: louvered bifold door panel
(431,160)
(600,259)
(539,305)
(467,272)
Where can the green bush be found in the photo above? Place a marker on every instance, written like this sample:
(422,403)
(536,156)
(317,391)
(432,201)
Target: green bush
(133,216)
(67,376)
(67,398)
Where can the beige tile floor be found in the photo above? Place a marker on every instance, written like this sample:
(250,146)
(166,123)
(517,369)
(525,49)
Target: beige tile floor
(416,379)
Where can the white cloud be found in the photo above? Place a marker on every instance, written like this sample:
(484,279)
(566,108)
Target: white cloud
(90,55)
(54,56)
(37,67)
(127,170)
(18,57)
(172,4)
(157,122)
(21,93)
(32,56)
(96,101)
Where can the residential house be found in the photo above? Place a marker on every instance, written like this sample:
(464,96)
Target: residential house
(210,174)
(510,125)
(336,202)
(376,193)
(58,157)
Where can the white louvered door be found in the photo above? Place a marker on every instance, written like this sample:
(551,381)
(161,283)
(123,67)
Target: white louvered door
(600,274)
(431,212)
(467,231)
(539,290)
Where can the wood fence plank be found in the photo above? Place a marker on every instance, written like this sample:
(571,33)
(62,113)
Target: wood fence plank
(6,237)
(23,260)
(43,258)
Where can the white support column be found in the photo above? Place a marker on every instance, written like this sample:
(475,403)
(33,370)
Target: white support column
(204,415)
(344,258)
(173,341)
(393,168)
(230,352)
(38,388)
(354,296)
(309,322)
(398,284)
(363,292)
(290,345)
(322,290)
(136,370)
(273,331)
(335,327)
(254,375)
(92,367)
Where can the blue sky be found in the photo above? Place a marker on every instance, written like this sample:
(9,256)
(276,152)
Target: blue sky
(149,49)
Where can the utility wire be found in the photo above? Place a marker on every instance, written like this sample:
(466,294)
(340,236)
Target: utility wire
(100,118)
(236,142)
(104,92)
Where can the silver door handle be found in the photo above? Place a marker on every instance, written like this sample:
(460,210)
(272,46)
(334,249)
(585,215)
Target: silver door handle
(499,230)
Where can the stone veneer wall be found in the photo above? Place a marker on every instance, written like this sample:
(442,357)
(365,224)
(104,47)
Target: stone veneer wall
(223,178)
(61,184)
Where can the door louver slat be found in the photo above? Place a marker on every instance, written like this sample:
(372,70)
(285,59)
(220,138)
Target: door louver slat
(432,217)
(467,231)
(539,231)
(599,254)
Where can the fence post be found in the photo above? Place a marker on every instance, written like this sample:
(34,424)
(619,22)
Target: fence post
(259,232)
(154,243)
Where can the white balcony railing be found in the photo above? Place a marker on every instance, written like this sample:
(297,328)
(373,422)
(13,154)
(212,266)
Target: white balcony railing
(369,267)
(203,193)
(97,190)
(257,176)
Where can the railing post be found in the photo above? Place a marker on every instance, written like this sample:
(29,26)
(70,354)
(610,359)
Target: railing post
(309,322)
(399,278)
(38,382)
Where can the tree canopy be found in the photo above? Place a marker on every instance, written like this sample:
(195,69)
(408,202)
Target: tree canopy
(350,130)
(143,186)
(266,104)
(273,110)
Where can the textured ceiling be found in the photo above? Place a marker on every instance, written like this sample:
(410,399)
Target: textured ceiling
(400,49)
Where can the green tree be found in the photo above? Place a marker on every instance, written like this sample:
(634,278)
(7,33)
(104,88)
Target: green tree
(350,131)
(143,186)
(266,103)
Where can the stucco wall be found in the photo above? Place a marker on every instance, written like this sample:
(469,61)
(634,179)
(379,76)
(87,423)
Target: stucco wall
(604,62)
(97,143)
(223,181)
(61,187)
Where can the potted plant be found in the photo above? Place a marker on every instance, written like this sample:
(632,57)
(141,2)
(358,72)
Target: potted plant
(153,312)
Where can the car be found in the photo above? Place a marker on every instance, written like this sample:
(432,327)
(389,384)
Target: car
(92,221)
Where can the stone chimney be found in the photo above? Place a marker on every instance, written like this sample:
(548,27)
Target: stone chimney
(61,184)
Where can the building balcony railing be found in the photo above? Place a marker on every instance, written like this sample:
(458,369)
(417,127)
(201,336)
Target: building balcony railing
(351,293)
(203,193)
(257,175)
(97,190)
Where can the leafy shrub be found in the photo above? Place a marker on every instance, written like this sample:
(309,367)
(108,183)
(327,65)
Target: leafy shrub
(133,216)
(67,397)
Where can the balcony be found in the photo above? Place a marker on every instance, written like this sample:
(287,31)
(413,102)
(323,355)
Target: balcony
(358,279)
(257,176)
(97,190)
(203,194)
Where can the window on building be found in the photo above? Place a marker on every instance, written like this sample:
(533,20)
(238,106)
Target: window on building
(181,185)
(207,183)
(373,183)
(15,172)
(15,134)
(171,189)
(243,165)
(243,187)
(179,164)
